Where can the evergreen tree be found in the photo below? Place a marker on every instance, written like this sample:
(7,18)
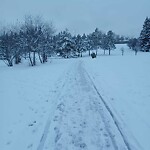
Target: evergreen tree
(89,44)
(96,39)
(65,44)
(145,36)
(111,41)
(108,42)
(78,45)
(134,44)
(84,43)
(104,43)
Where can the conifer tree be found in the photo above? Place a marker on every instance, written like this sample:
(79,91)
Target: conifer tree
(145,36)
(65,44)
(111,41)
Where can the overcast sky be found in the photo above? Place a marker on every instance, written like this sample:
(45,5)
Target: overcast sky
(124,17)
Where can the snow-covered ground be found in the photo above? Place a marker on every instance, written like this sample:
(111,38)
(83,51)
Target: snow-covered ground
(58,105)
(27,98)
(124,83)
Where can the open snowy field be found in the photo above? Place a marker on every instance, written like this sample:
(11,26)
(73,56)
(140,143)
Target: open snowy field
(27,97)
(58,105)
(124,83)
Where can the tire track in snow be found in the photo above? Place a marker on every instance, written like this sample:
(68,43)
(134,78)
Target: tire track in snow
(79,125)
(111,114)
(84,76)
(48,123)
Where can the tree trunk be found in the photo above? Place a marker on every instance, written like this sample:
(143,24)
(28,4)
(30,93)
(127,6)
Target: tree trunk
(10,63)
(34,61)
(109,51)
(104,51)
(40,58)
(44,57)
(89,53)
(30,59)
(17,59)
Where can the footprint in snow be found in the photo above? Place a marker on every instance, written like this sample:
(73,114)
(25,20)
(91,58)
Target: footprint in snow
(31,124)
(31,108)
(36,112)
(60,107)
(101,129)
(10,132)
(8,143)
(105,134)
(112,99)
(58,134)
(21,114)
(80,132)
(107,143)
(34,131)
(55,118)
(83,124)
(30,146)
(77,141)
(83,146)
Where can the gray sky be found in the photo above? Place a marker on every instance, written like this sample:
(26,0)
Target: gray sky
(124,17)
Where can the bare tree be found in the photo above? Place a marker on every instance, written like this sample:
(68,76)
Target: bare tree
(36,37)
(8,47)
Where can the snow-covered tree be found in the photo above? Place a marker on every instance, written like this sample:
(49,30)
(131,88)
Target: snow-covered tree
(111,41)
(36,38)
(65,44)
(134,44)
(145,36)
(31,34)
(89,44)
(84,43)
(96,39)
(108,42)
(104,43)
(8,47)
(46,42)
(78,44)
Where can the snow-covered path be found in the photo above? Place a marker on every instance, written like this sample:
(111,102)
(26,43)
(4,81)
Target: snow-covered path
(81,120)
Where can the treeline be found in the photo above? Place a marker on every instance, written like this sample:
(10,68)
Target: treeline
(31,38)
(142,43)
(37,38)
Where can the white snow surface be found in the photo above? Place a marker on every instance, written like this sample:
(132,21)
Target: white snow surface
(72,104)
